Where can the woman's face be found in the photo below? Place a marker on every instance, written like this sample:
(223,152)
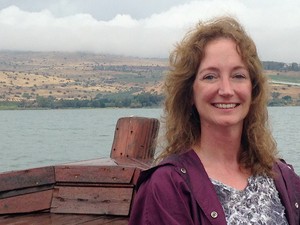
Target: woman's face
(222,88)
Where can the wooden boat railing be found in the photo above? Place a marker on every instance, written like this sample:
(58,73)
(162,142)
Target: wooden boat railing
(98,191)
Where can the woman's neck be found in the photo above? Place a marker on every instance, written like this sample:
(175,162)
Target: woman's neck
(218,150)
(222,143)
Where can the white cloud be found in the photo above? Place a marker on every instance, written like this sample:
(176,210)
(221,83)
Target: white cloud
(273,25)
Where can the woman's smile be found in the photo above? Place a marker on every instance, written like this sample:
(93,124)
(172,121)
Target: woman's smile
(225,105)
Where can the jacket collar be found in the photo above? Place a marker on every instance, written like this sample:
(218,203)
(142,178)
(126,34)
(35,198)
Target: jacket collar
(201,186)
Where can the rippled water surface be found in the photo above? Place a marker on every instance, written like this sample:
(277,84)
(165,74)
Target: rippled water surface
(32,138)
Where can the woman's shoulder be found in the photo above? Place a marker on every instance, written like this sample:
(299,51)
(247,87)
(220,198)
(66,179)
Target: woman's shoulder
(171,166)
(166,170)
(174,168)
(288,185)
(286,177)
(287,170)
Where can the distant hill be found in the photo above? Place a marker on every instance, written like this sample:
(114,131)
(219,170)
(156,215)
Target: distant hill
(26,77)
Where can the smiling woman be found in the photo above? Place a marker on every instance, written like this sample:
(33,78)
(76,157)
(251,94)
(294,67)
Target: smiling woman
(220,163)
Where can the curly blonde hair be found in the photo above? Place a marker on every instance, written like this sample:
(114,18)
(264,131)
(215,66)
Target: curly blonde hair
(181,118)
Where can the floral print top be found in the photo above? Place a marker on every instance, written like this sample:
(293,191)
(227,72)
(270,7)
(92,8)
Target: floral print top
(258,203)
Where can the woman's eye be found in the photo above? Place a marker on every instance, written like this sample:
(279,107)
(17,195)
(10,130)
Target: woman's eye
(239,76)
(209,77)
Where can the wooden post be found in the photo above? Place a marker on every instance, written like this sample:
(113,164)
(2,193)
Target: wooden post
(135,138)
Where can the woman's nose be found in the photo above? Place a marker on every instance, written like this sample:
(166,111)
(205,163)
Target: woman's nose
(225,87)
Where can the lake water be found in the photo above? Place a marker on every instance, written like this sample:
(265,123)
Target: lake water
(34,138)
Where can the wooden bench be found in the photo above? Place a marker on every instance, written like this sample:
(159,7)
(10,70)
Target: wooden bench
(99,191)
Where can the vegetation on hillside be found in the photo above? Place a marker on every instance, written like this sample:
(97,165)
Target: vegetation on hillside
(119,100)
(75,80)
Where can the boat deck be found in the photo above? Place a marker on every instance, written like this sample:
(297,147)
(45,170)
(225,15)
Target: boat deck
(97,191)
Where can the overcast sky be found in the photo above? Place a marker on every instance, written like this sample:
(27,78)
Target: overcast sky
(146,28)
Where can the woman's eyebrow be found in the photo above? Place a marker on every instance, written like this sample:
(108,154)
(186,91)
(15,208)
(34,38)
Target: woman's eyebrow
(210,68)
(216,69)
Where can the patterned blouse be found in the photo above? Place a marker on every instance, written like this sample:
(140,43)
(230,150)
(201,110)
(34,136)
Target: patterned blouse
(258,203)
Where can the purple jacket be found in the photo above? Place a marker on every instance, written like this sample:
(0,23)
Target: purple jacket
(170,197)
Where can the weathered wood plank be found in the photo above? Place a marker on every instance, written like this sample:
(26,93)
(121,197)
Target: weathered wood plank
(92,200)
(92,162)
(94,174)
(26,203)
(16,192)
(61,219)
(131,162)
(108,221)
(135,138)
(26,178)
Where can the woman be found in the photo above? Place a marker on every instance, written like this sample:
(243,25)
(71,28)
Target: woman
(219,165)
